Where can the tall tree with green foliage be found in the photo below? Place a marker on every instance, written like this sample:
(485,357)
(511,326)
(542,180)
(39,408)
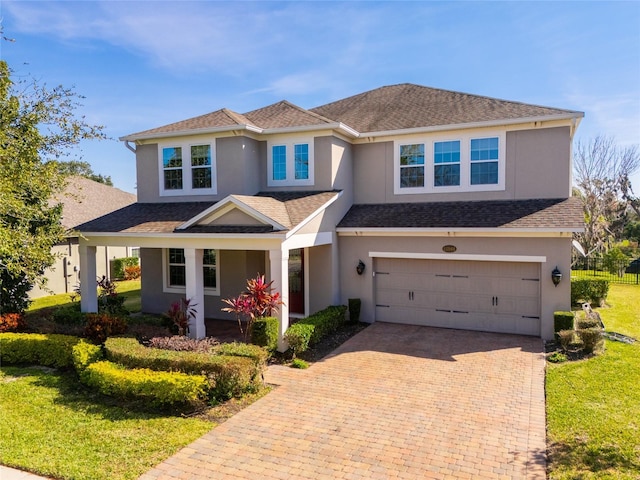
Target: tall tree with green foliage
(38,126)
(83,169)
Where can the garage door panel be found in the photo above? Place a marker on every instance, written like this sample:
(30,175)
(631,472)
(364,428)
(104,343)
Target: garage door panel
(489,296)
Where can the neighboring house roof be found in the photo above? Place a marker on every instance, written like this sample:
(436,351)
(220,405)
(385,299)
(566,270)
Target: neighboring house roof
(285,208)
(405,106)
(390,108)
(562,214)
(83,200)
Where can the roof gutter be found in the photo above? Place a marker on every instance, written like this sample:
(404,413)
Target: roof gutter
(490,123)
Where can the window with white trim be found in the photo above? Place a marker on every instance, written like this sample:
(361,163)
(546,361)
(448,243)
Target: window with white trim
(433,165)
(187,169)
(290,163)
(175,276)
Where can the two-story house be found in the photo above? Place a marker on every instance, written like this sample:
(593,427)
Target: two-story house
(433,207)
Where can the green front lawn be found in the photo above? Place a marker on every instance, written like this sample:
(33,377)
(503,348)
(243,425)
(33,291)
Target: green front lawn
(593,405)
(53,426)
(130,289)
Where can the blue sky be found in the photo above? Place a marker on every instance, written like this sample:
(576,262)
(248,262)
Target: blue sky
(148,63)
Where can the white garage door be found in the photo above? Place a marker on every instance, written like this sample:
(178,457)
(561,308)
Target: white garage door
(487,296)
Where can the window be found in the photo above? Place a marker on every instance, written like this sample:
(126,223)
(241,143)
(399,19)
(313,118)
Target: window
(290,163)
(433,163)
(172,164)
(209,269)
(201,166)
(446,159)
(412,165)
(301,161)
(176,272)
(177,268)
(279,153)
(484,161)
(187,169)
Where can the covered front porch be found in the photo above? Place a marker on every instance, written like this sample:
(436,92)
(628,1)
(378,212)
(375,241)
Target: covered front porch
(303,268)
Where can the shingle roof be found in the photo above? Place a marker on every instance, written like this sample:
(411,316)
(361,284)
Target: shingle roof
(285,114)
(286,208)
(389,108)
(407,105)
(565,214)
(220,118)
(146,218)
(84,200)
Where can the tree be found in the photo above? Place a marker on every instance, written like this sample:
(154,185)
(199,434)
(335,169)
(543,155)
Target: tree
(601,173)
(37,127)
(83,169)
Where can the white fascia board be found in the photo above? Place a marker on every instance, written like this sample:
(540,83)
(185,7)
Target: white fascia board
(312,216)
(191,131)
(310,128)
(308,240)
(231,200)
(459,126)
(456,232)
(179,240)
(461,256)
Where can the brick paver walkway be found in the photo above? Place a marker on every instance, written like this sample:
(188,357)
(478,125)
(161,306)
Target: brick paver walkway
(394,402)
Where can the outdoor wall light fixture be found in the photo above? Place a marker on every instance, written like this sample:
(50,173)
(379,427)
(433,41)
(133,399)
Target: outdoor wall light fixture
(556,276)
(360,267)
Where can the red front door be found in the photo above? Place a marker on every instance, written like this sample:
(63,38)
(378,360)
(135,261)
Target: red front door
(296,281)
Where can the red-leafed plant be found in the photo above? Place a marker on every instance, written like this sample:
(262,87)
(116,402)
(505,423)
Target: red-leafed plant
(12,322)
(258,301)
(180,313)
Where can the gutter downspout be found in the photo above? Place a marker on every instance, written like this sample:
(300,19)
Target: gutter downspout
(128,145)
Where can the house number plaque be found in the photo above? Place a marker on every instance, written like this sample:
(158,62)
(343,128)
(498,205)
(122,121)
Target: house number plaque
(449,248)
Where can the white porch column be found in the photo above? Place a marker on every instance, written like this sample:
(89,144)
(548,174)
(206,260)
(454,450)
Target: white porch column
(88,287)
(335,270)
(195,290)
(279,266)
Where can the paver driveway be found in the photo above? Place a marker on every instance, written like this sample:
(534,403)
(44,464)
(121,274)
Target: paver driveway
(395,401)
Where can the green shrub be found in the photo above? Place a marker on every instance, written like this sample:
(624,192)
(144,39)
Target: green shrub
(84,354)
(562,321)
(228,375)
(69,315)
(566,339)
(299,363)
(238,349)
(120,265)
(264,332)
(311,330)
(50,350)
(159,388)
(355,304)
(588,322)
(557,357)
(588,290)
(592,339)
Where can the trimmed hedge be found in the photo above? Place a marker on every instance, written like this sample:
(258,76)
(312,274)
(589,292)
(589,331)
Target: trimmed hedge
(228,375)
(160,388)
(589,290)
(311,330)
(121,264)
(264,332)
(84,354)
(51,350)
(562,321)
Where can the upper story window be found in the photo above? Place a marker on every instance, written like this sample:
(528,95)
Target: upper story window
(484,161)
(187,169)
(290,163)
(468,163)
(175,278)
